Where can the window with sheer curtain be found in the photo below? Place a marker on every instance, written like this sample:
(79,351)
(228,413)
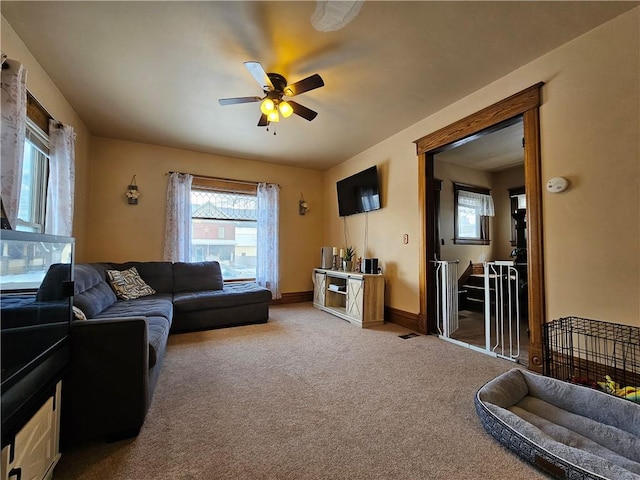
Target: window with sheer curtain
(236,223)
(33,182)
(38,160)
(473,207)
(224,222)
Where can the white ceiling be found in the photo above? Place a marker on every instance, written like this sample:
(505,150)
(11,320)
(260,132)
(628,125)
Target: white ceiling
(152,72)
(492,152)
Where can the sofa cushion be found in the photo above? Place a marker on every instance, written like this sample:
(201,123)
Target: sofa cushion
(158,305)
(195,277)
(128,284)
(233,294)
(157,333)
(92,294)
(158,275)
(53,287)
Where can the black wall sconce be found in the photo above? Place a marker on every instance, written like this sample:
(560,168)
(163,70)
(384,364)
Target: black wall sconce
(132,192)
(303,206)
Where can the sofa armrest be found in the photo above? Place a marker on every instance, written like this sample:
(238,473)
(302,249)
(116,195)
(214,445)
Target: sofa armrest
(106,389)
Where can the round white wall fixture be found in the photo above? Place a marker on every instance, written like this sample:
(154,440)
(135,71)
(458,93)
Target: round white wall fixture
(557,185)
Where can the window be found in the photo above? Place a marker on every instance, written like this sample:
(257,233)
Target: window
(473,207)
(224,226)
(33,189)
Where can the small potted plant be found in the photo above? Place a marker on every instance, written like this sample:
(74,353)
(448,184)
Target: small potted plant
(347,260)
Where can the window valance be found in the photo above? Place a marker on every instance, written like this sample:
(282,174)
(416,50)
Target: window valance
(483,203)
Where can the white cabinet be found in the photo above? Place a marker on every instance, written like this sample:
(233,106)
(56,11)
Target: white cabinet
(35,450)
(355,297)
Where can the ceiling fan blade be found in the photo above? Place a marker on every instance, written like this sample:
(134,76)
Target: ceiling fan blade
(263,121)
(303,111)
(309,83)
(257,72)
(233,101)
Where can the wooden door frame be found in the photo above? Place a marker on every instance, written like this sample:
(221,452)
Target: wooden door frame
(526,104)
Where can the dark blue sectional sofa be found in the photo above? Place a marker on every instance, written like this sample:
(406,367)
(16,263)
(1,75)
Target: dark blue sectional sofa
(117,352)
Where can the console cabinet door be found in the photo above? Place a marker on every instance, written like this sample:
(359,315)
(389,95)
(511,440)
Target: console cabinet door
(355,297)
(319,286)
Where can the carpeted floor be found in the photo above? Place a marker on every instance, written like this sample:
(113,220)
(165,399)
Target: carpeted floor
(309,396)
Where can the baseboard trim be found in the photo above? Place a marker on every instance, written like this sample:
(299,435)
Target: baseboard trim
(293,297)
(400,317)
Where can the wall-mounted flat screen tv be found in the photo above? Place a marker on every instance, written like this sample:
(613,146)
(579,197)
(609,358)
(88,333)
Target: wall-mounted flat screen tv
(359,193)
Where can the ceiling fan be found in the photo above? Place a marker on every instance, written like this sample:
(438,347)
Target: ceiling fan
(275,87)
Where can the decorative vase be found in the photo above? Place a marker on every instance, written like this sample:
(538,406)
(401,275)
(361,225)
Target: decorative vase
(347,265)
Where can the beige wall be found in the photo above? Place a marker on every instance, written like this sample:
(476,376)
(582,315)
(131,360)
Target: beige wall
(46,92)
(450,173)
(501,228)
(119,232)
(590,133)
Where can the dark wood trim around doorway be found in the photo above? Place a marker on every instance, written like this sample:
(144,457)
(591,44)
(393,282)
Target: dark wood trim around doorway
(525,104)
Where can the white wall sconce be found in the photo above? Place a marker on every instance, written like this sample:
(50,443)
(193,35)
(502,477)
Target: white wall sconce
(132,192)
(557,185)
(303,206)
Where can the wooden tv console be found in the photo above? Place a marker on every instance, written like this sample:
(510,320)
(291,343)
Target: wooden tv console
(355,297)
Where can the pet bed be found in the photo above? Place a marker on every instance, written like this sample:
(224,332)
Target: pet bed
(569,431)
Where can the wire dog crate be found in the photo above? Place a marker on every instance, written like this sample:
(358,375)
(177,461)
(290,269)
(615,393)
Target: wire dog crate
(594,353)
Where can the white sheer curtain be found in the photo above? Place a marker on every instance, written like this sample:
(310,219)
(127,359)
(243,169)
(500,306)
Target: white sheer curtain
(484,203)
(267,267)
(177,234)
(61,185)
(13,128)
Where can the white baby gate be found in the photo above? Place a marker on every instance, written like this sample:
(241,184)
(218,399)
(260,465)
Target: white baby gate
(501,288)
(447,296)
(501,307)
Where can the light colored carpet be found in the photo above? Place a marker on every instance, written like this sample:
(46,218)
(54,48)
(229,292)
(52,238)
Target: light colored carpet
(309,396)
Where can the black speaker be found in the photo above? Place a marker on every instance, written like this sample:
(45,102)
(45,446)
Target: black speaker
(370,265)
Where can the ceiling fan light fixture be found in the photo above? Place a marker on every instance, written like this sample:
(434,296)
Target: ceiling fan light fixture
(273,116)
(275,87)
(267,106)
(285,109)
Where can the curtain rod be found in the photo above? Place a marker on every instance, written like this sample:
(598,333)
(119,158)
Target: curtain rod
(5,65)
(31,98)
(245,182)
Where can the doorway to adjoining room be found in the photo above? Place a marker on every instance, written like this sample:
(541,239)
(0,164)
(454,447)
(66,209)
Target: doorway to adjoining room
(480,261)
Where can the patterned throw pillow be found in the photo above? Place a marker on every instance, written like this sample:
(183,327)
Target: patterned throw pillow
(78,314)
(128,284)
